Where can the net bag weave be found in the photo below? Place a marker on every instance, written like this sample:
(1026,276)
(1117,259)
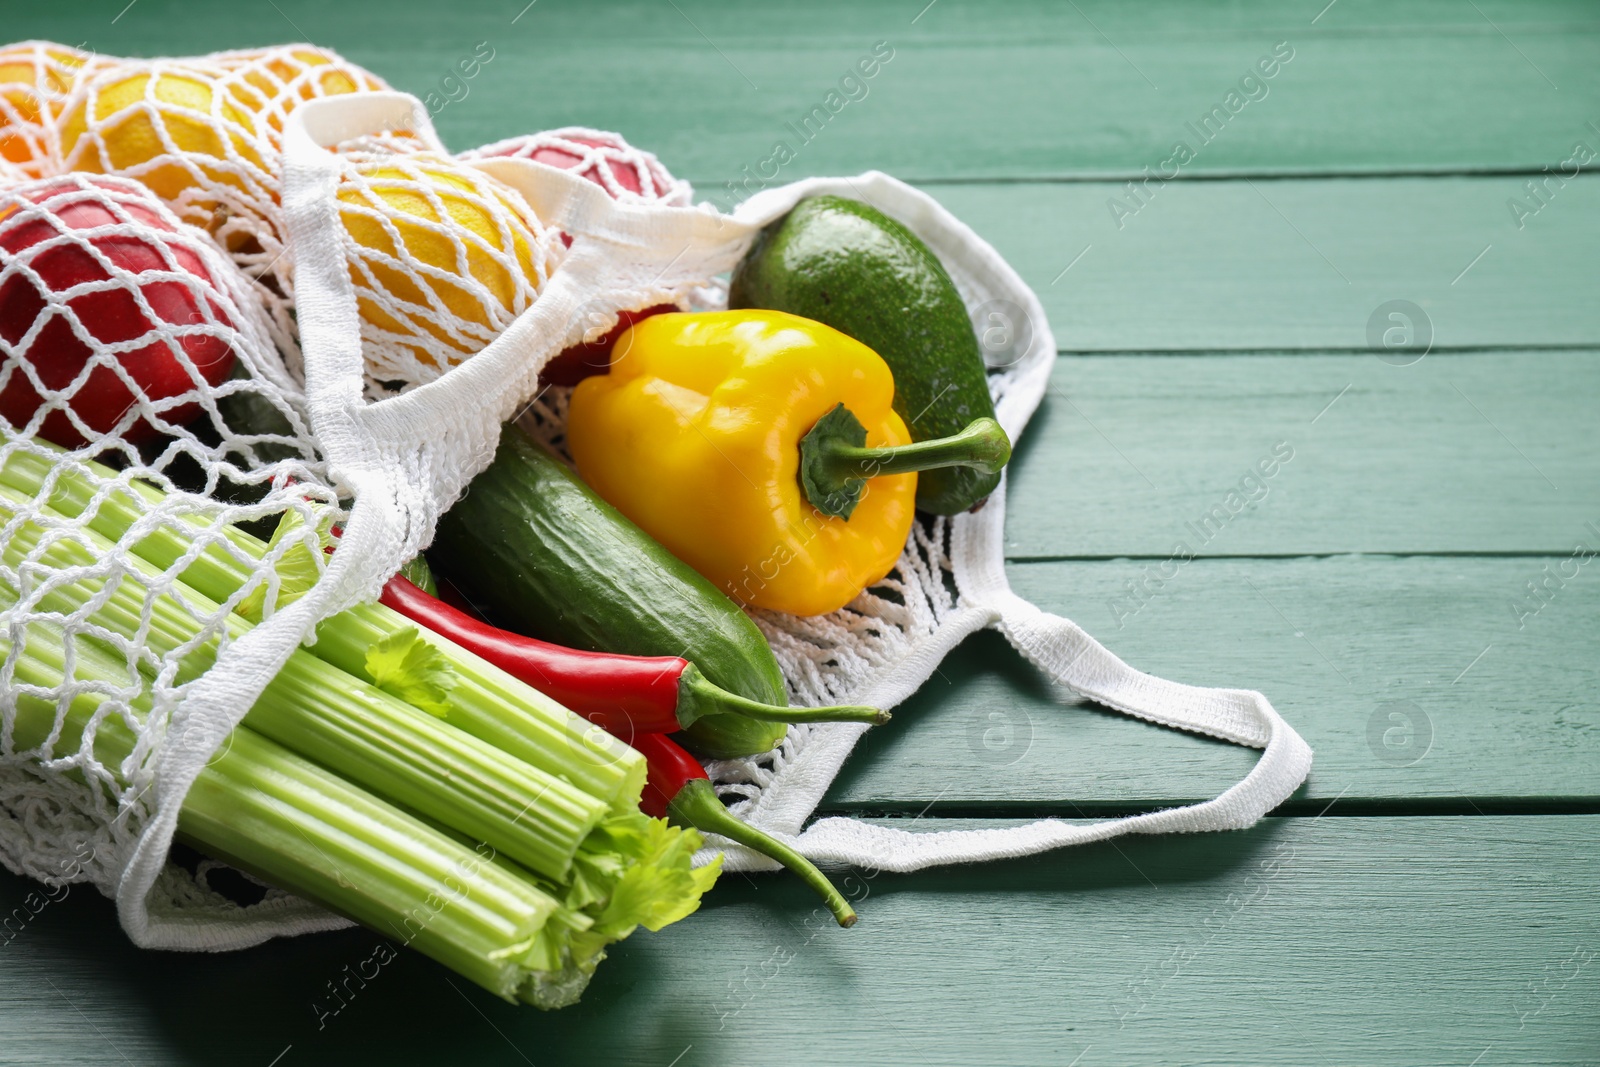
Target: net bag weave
(398,421)
(206,135)
(631,175)
(37,78)
(130,334)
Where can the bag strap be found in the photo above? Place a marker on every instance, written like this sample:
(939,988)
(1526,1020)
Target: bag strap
(1057,646)
(1067,654)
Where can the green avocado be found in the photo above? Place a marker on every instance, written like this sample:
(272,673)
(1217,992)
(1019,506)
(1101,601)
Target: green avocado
(848,265)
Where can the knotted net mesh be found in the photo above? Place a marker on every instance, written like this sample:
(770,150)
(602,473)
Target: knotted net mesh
(206,135)
(133,343)
(36,80)
(442,256)
(631,175)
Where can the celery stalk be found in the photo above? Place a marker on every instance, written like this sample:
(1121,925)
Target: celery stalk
(487,702)
(494,707)
(299,827)
(372,738)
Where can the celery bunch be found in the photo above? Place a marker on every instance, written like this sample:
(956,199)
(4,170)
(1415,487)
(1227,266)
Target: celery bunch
(386,773)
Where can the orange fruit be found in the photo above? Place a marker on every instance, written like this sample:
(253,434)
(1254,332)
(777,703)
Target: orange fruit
(165,124)
(36,77)
(442,256)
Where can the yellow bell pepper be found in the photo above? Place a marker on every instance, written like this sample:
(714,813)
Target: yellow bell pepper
(762,449)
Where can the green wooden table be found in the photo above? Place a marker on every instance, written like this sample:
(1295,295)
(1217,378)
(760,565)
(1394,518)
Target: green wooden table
(1429,897)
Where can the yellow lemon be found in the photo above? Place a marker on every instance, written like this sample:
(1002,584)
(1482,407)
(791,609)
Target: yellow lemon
(274,81)
(36,77)
(167,125)
(445,258)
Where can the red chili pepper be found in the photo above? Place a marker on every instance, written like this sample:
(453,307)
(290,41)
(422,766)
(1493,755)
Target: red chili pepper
(639,699)
(627,695)
(676,787)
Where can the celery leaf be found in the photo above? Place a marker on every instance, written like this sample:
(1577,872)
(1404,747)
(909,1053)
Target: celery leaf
(661,887)
(405,666)
(298,566)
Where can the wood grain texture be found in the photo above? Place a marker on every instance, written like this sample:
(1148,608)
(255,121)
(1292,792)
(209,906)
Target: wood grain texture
(1463,453)
(1421,941)
(1289,264)
(1491,715)
(1089,88)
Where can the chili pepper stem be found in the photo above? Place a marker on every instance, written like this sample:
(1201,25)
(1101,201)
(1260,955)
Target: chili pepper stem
(835,462)
(699,696)
(697,805)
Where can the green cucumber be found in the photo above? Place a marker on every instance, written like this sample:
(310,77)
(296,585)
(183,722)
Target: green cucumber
(852,267)
(543,555)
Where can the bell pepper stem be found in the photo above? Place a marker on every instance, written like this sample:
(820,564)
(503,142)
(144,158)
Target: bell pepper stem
(697,805)
(699,696)
(835,462)
(982,445)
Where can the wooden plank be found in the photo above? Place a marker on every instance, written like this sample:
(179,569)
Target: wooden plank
(1376,941)
(1092,88)
(1290,264)
(1471,452)
(1186,265)
(1490,715)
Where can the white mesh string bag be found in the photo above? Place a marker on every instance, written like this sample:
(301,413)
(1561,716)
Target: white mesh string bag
(400,419)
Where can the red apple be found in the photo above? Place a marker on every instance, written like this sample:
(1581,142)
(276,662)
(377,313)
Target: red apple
(626,172)
(71,291)
(564,158)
